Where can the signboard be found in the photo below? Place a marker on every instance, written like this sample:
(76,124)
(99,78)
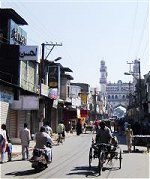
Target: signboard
(28,53)
(6,96)
(53,93)
(26,103)
(53,76)
(84,98)
(44,89)
(16,34)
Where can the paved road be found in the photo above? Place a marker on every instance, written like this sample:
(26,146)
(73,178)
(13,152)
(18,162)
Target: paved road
(70,160)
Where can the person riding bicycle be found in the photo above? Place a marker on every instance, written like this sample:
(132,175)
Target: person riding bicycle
(103,135)
(61,129)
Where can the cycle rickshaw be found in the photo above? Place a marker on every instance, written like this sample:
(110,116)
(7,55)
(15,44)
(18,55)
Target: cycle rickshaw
(105,154)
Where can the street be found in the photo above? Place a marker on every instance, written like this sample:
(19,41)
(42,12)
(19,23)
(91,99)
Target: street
(70,160)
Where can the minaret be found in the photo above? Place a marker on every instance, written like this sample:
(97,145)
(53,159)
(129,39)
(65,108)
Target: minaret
(103,77)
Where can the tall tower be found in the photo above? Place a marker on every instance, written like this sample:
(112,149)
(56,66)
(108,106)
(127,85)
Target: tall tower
(103,77)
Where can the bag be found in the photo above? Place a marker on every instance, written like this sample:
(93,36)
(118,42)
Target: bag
(7,148)
(1,138)
(63,134)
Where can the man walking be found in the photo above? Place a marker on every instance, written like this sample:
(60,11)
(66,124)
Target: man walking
(25,140)
(129,135)
(48,128)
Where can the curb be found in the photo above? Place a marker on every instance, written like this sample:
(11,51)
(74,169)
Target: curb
(15,154)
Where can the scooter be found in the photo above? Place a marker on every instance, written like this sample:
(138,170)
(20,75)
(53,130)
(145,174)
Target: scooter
(39,159)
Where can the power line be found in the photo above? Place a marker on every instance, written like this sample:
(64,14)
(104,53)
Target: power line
(23,9)
(142,32)
(133,30)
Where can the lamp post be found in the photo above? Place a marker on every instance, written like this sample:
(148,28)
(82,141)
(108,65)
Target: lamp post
(139,86)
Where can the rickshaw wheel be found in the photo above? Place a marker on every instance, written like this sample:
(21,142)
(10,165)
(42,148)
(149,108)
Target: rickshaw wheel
(90,157)
(120,159)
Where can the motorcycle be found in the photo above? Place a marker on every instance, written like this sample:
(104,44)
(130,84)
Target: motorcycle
(39,159)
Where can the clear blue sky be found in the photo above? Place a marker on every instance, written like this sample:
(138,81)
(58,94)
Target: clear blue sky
(115,31)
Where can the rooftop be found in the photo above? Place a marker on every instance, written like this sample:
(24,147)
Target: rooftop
(12,14)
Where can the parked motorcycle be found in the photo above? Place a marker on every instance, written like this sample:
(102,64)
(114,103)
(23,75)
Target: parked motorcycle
(39,159)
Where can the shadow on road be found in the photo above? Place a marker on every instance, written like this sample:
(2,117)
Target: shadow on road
(84,170)
(24,173)
(89,172)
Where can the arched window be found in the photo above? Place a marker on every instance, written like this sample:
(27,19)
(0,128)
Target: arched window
(116,97)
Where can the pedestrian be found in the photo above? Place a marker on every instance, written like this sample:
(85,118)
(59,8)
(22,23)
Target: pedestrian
(8,143)
(3,142)
(96,123)
(9,150)
(25,140)
(125,125)
(129,135)
(48,128)
(79,127)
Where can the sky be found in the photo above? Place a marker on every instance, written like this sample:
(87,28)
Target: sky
(90,31)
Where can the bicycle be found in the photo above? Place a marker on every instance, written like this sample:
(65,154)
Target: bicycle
(60,138)
(104,152)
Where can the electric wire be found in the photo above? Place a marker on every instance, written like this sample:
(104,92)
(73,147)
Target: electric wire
(40,29)
(34,21)
(133,30)
(142,32)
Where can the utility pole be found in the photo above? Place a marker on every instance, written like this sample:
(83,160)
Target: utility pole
(140,91)
(42,75)
(94,97)
(138,79)
(44,58)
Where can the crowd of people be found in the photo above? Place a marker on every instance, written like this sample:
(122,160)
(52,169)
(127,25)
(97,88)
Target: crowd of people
(43,140)
(103,135)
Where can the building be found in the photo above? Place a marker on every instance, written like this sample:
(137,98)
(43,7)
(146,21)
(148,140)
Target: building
(31,90)
(113,94)
(19,73)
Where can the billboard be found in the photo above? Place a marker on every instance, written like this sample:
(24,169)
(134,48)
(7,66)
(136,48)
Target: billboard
(16,34)
(28,53)
(53,73)
(53,93)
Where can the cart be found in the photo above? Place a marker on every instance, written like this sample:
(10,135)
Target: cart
(105,153)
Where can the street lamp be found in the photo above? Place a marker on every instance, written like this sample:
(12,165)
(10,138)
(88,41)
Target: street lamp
(57,59)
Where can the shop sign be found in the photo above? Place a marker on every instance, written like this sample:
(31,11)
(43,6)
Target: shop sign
(44,89)
(6,96)
(53,76)
(16,34)
(84,98)
(53,93)
(26,103)
(29,53)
